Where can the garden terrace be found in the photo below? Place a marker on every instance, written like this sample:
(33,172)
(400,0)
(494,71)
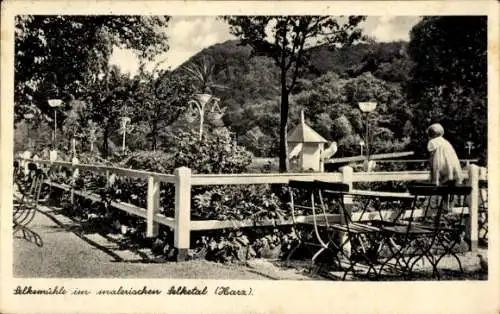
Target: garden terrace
(183,181)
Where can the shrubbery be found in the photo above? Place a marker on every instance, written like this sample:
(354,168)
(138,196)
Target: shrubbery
(216,153)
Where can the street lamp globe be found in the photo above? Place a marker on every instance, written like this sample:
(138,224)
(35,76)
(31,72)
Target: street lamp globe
(367,106)
(203,98)
(55,102)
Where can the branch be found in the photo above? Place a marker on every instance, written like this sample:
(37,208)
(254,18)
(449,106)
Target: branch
(297,63)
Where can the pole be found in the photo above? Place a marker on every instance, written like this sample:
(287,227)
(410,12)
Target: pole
(367,139)
(123,141)
(55,127)
(201,121)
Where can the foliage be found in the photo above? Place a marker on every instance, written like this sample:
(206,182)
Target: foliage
(449,80)
(56,55)
(216,153)
(109,98)
(162,97)
(331,107)
(156,161)
(288,40)
(202,76)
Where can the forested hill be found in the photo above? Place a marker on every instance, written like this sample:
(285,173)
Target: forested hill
(251,78)
(252,92)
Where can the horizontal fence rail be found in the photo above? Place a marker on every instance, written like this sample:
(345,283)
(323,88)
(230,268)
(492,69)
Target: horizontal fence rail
(131,173)
(183,180)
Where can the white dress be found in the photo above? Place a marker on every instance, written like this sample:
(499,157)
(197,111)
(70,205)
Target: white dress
(445,165)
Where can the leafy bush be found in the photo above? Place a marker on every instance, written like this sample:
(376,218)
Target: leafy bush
(158,161)
(216,153)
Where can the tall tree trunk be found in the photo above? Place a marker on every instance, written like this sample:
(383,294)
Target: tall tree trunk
(283,160)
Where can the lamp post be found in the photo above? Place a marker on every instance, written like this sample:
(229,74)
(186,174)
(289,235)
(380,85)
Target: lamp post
(29,116)
(92,134)
(366,108)
(200,102)
(54,103)
(361,145)
(125,120)
(469,146)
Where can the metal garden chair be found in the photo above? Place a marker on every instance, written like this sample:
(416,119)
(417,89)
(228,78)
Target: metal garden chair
(435,232)
(483,211)
(26,198)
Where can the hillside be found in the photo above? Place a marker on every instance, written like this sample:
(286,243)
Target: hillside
(252,93)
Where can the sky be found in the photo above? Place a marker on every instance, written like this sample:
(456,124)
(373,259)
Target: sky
(190,35)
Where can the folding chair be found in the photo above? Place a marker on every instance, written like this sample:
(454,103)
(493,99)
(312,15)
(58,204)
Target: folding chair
(351,241)
(363,233)
(483,211)
(436,231)
(28,195)
(316,234)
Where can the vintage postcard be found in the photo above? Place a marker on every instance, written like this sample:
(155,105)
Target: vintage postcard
(250,157)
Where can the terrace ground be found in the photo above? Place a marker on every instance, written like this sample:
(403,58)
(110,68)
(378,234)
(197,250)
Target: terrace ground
(69,253)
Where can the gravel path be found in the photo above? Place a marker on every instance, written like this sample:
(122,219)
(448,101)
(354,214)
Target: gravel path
(67,253)
(64,254)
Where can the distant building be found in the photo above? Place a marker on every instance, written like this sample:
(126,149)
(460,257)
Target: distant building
(305,148)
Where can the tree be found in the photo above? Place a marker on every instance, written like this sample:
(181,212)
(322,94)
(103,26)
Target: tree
(162,100)
(109,98)
(288,41)
(76,121)
(55,55)
(202,77)
(449,80)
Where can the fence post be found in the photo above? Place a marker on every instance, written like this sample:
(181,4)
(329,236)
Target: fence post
(76,174)
(473,206)
(182,211)
(346,179)
(152,207)
(107,179)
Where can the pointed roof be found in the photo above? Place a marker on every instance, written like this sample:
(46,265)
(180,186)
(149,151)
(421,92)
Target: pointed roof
(303,133)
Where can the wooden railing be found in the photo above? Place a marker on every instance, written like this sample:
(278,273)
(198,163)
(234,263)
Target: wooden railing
(183,179)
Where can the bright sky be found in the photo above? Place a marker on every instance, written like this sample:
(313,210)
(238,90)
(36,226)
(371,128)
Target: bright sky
(189,35)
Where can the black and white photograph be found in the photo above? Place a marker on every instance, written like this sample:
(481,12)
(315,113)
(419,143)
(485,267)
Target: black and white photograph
(307,149)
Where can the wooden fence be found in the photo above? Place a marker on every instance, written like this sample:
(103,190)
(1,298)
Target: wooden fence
(183,179)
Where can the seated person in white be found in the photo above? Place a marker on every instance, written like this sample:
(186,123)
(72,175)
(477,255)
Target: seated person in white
(444,162)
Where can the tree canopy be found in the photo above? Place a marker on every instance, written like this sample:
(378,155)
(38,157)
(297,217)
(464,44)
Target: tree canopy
(55,55)
(449,80)
(288,40)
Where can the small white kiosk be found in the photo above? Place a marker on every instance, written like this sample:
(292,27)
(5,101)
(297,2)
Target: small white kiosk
(305,148)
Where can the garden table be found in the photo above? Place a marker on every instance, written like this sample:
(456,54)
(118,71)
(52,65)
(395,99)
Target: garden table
(354,238)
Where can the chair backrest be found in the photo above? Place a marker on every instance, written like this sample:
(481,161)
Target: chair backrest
(332,187)
(302,185)
(430,190)
(483,184)
(32,166)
